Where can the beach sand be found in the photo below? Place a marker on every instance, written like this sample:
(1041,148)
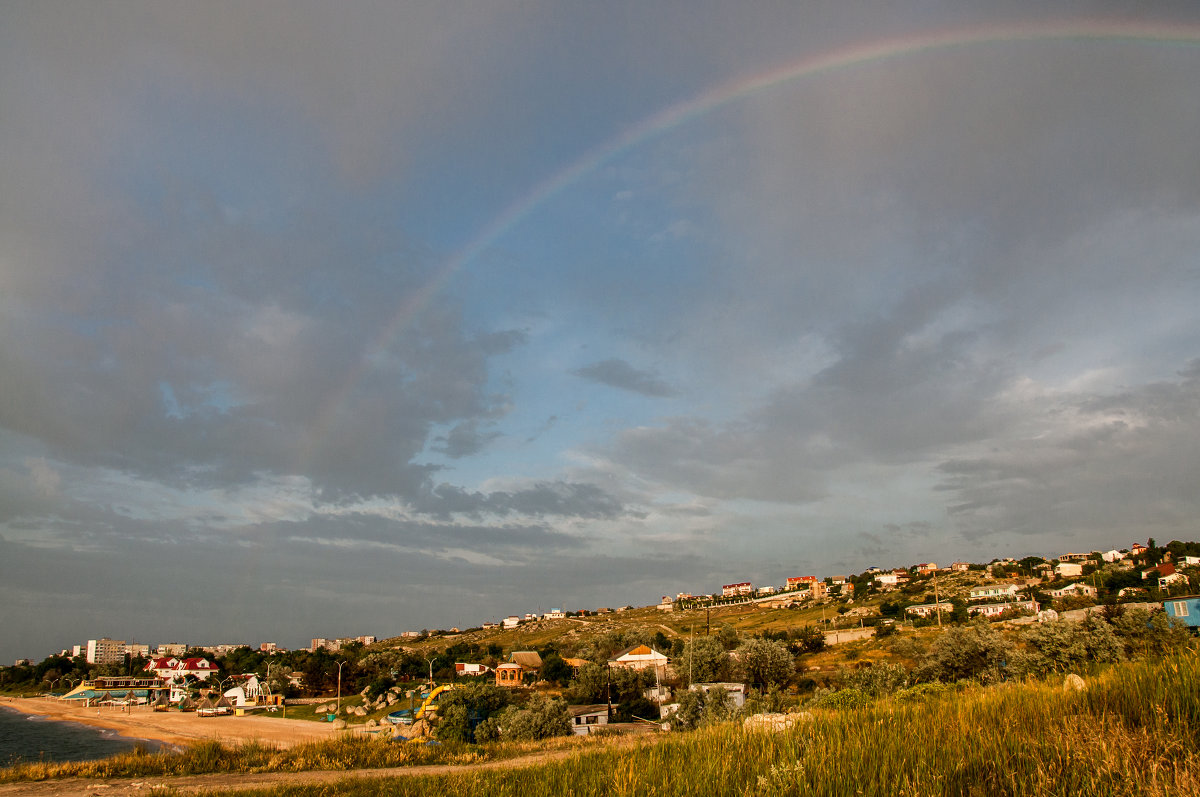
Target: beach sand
(174,727)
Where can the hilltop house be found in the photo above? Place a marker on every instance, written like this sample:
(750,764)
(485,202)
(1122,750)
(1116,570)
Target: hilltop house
(928,609)
(1074,589)
(993,591)
(1068,570)
(997,609)
(733,590)
(1184,609)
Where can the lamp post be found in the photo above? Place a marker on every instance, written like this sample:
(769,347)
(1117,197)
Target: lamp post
(430,662)
(339,688)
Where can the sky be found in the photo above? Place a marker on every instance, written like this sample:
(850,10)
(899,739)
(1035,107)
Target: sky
(336,319)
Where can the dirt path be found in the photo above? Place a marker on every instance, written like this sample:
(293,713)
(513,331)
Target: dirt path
(191,784)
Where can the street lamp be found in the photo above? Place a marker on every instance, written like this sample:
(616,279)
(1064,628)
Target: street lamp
(339,692)
(430,663)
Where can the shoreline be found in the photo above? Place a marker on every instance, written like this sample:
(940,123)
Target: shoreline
(173,727)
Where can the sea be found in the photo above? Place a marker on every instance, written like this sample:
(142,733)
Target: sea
(29,738)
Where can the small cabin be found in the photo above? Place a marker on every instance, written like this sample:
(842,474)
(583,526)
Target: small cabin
(1185,609)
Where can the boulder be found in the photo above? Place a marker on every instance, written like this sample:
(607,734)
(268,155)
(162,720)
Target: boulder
(770,723)
(339,725)
(359,711)
(1073,683)
(418,729)
(372,723)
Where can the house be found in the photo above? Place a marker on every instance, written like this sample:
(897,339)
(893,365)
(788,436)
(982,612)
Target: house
(926,568)
(1072,590)
(928,609)
(1184,609)
(556,614)
(1189,561)
(509,675)
(1075,557)
(1112,556)
(733,590)
(512,621)
(1068,570)
(799,582)
(585,719)
(736,690)
(666,604)
(764,591)
(997,609)
(463,668)
(528,660)
(960,567)
(1137,549)
(639,657)
(490,625)
(837,581)
(1164,575)
(887,579)
(575,665)
(177,669)
(994,591)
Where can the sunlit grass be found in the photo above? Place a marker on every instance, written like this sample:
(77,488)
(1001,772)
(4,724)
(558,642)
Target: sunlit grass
(1132,732)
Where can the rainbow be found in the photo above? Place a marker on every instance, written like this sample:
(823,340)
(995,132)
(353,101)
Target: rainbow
(713,98)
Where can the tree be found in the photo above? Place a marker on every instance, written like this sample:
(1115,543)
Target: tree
(556,670)
(766,661)
(704,660)
(809,639)
(461,710)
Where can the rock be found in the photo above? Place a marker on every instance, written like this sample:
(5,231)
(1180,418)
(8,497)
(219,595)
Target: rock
(1073,683)
(770,723)
(339,725)
(392,699)
(372,723)
(419,728)
(359,711)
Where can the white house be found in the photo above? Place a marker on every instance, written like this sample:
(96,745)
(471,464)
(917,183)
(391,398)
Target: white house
(1074,589)
(993,591)
(512,621)
(585,719)
(960,567)
(639,657)
(887,579)
(736,690)
(1068,570)
(997,609)
(929,609)
(556,614)
(1112,556)
(740,588)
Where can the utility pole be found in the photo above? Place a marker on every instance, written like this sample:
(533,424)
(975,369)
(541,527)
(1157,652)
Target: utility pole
(339,692)
(937,599)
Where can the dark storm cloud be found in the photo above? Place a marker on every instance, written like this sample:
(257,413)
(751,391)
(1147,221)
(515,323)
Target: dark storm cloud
(623,376)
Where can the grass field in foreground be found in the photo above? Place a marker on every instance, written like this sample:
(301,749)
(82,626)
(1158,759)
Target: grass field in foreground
(1133,732)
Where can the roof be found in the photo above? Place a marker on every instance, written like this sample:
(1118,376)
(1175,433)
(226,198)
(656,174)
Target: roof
(595,708)
(528,659)
(637,650)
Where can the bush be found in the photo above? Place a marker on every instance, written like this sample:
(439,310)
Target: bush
(878,680)
(541,718)
(975,651)
(698,708)
(1061,645)
(841,699)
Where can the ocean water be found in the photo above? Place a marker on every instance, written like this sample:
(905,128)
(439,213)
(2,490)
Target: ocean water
(26,738)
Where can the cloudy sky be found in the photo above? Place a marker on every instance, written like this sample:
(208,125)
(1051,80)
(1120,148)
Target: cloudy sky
(336,319)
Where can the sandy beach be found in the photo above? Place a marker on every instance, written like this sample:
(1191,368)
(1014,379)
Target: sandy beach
(174,727)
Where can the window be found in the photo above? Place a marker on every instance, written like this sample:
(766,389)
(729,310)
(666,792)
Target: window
(1181,609)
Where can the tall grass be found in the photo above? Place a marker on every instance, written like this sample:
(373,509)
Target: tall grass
(1131,733)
